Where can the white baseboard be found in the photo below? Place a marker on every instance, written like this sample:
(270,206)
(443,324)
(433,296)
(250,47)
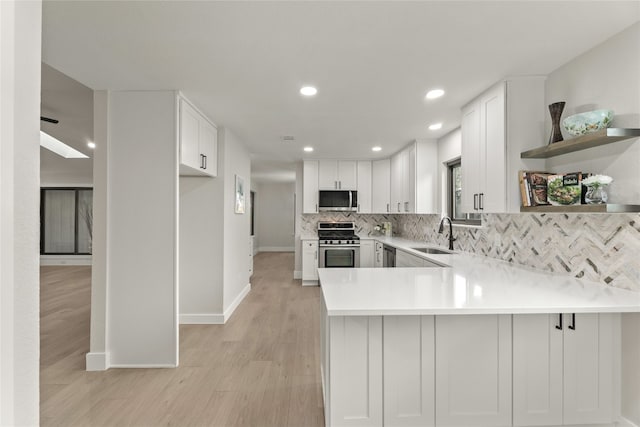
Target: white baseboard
(202,319)
(310,283)
(297,274)
(97,361)
(65,260)
(236,302)
(276,249)
(143,365)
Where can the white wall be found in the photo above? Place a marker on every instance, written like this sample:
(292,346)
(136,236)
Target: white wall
(275,216)
(607,77)
(236,226)
(142,226)
(20,34)
(214,240)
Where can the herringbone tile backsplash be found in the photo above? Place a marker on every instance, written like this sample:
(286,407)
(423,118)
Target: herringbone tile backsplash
(599,247)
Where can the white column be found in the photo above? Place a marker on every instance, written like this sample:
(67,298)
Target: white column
(20,58)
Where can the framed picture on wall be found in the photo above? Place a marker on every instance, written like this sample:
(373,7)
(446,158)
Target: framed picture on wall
(240,195)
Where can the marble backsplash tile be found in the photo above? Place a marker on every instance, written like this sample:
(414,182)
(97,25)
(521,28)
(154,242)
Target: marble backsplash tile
(599,247)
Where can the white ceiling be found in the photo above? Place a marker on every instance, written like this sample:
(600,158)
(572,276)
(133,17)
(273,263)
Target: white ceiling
(243,63)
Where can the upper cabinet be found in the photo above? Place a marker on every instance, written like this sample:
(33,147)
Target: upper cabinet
(337,175)
(310,186)
(364,186)
(381,186)
(414,178)
(496,127)
(198,139)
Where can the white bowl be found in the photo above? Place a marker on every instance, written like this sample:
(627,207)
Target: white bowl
(591,121)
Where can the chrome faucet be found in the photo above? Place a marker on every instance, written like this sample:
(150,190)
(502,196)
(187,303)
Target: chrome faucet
(441,229)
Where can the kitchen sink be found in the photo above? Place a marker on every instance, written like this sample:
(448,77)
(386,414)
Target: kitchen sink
(433,251)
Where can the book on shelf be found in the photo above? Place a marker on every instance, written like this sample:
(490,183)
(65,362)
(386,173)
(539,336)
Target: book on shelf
(533,187)
(565,189)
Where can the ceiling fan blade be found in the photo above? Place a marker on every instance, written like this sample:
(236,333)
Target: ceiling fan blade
(47,119)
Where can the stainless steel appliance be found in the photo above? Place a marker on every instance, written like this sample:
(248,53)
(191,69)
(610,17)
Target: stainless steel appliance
(389,256)
(338,200)
(339,246)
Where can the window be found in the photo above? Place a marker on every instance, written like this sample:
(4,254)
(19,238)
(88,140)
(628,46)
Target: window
(455,196)
(66,218)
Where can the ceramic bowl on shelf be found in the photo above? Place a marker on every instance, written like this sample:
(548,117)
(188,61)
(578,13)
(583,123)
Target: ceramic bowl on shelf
(591,121)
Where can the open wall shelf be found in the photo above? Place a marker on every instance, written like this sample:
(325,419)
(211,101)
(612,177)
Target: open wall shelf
(603,208)
(602,137)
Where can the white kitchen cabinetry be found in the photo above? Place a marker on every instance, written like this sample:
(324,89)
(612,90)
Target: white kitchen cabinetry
(563,369)
(354,372)
(409,370)
(379,255)
(337,175)
(404,259)
(414,178)
(496,127)
(473,370)
(310,186)
(381,186)
(366,253)
(364,186)
(198,139)
(309,262)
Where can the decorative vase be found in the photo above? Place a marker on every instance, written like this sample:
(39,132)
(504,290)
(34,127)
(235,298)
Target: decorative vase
(596,194)
(556,113)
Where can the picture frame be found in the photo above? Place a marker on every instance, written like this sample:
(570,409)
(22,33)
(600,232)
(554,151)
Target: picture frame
(240,195)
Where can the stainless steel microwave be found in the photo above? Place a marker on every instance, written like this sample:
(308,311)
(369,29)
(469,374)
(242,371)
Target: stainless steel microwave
(338,200)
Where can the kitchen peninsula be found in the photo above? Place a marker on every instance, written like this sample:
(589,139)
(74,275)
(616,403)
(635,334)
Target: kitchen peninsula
(479,342)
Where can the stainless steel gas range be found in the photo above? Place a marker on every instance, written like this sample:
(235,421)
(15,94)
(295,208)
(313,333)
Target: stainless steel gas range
(339,245)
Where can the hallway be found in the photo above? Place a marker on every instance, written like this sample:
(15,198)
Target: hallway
(260,369)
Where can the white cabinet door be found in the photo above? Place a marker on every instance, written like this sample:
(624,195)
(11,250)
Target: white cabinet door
(364,186)
(409,368)
(310,186)
(366,253)
(492,197)
(209,147)
(381,186)
(409,190)
(328,175)
(379,252)
(397,176)
(588,368)
(355,371)
(404,259)
(537,370)
(189,134)
(347,175)
(470,163)
(473,370)
(309,260)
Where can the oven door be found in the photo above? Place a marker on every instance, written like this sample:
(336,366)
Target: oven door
(343,256)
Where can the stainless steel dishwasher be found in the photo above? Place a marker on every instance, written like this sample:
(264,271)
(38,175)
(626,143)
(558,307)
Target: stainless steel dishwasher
(389,256)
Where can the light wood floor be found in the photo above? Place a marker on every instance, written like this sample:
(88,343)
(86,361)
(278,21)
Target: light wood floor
(260,369)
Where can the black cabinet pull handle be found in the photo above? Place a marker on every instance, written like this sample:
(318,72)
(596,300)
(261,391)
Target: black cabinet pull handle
(559,325)
(572,326)
(205,161)
(475,202)
(398,206)
(481,204)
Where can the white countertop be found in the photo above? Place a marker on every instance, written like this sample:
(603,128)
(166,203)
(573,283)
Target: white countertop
(471,285)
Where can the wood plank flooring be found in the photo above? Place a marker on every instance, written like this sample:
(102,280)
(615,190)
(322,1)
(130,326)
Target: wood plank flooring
(260,369)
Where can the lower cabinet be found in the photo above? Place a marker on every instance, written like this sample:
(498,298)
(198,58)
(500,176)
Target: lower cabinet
(469,370)
(309,261)
(367,254)
(563,368)
(473,370)
(379,255)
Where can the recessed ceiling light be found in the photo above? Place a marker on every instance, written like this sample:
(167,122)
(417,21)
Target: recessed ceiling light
(308,91)
(376,148)
(308,149)
(435,93)
(59,147)
(91,145)
(435,126)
